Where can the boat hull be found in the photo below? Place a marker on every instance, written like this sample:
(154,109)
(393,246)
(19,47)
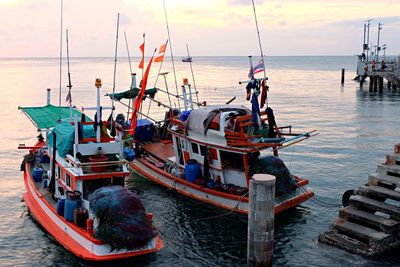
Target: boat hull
(70,236)
(220,199)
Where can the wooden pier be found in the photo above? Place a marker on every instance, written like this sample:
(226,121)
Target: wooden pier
(370,224)
(377,74)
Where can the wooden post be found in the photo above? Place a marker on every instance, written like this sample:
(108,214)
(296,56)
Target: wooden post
(375,83)
(371,83)
(260,231)
(343,71)
(380,84)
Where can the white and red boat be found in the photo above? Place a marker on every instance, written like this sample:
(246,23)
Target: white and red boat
(75,162)
(194,153)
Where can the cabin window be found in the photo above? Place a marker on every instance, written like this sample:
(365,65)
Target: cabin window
(231,160)
(195,148)
(58,172)
(202,150)
(68,180)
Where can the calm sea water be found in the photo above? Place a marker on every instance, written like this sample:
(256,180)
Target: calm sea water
(357,129)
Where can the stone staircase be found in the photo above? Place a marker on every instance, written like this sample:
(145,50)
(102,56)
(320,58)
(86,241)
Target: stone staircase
(370,224)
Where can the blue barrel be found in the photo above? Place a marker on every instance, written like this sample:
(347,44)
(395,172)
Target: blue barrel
(37,174)
(185,115)
(192,170)
(60,206)
(72,202)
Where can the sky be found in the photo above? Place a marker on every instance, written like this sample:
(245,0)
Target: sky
(31,28)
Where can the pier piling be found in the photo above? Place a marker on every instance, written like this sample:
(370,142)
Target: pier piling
(342,80)
(380,84)
(260,235)
(371,83)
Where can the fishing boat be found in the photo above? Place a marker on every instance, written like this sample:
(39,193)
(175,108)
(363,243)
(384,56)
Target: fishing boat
(187,59)
(74,180)
(193,151)
(199,157)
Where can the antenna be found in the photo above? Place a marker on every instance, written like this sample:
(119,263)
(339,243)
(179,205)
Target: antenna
(172,54)
(130,68)
(115,69)
(191,69)
(69,86)
(61,50)
(259,42)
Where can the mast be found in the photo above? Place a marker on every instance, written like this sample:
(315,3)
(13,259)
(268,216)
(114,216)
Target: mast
(130,69)
(191,69)
(69,86)
(377,45)
(115,69)
(61,53)
(172,54)
(259,42)
(368,48)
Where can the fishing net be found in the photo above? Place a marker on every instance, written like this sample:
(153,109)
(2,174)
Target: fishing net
(273,165)
(122,220)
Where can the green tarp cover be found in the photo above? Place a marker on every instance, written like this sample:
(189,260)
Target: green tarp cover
(65,134)
(132,93)
(46,117)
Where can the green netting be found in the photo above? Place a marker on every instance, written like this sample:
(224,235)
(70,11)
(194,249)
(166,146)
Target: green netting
(129,94)
(65,134)
(48,116)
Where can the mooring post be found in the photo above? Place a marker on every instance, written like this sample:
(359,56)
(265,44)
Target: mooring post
(375,83)
(371,83)
(260,230)
(343,71)
(380,84)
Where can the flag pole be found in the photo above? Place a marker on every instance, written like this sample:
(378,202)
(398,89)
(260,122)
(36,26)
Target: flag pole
(155,83)
(69,97)
(130,69)
(172,54)
(61,53)
(115,69)
(259,42)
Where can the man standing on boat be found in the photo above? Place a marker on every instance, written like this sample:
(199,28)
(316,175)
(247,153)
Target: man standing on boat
(230,124)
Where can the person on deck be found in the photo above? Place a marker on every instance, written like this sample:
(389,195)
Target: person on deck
(383,65)
(230,124)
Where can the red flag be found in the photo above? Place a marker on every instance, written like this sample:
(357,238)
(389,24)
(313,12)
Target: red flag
(141,64)
(161,53)
(139,98)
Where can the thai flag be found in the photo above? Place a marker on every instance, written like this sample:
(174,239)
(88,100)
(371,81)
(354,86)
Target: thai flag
(256,69)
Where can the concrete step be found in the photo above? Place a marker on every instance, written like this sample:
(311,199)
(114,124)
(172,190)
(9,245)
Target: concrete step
(373,190)
(376,178)
(383,224)
(345,242)
(359,232)
(375,205)
(386,169)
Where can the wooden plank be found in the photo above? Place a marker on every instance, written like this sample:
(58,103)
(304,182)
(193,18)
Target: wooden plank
(358,231)
(376,205)
(384,224)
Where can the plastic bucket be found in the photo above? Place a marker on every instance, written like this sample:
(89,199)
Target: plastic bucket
(98,159)
(192,170)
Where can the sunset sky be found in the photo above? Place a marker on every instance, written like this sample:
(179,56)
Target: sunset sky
(210,27)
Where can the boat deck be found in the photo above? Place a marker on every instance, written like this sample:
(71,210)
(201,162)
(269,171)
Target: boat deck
(160,150)
(39,185)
